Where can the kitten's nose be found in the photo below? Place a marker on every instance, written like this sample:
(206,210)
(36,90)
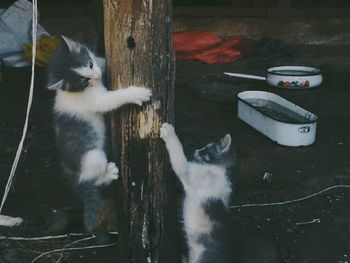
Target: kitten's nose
(96,76)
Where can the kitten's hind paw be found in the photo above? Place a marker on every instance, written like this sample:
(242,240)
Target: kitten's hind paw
(166,131)
(139,95)
(112,173)
(10,221)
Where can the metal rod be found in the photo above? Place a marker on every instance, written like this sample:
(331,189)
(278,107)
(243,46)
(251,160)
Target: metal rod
(244,76)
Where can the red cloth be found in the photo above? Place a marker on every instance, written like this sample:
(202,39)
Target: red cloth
(210,48)
(194,40)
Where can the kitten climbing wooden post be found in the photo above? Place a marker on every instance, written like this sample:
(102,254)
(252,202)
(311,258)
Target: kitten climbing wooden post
(139,52)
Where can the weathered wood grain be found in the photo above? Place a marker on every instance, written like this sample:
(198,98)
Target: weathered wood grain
(139,52)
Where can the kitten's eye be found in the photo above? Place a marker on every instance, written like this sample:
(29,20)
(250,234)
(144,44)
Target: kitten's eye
(91,64)
(205,156)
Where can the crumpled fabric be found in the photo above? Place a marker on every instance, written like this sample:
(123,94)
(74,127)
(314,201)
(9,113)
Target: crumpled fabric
(16,30)
(210,48)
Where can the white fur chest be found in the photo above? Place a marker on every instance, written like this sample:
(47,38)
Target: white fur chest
(77,103)
(81,105)
(206,181)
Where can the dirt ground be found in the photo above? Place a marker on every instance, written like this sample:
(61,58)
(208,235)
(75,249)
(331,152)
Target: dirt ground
(205,111)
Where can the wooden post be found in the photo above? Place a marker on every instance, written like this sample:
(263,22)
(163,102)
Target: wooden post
(139,52)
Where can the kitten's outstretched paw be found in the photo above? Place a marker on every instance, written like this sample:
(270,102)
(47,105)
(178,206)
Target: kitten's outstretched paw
(166,131)
(139,95)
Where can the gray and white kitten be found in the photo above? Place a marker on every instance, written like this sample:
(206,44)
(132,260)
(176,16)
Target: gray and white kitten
(207,185)
(81,100)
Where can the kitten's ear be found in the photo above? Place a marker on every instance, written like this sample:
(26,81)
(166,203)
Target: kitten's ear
(72,45)
(56,85)
(225,143)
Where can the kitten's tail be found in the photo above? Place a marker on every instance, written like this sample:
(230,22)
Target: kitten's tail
(91,200)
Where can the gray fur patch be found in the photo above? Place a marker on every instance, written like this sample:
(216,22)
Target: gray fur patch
(74,138)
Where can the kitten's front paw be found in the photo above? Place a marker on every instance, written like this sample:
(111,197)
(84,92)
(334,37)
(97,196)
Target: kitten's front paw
(139,95)
(166,131)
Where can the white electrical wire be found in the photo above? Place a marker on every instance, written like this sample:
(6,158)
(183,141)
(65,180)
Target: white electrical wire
(49,237)
(6,220)
(87,237)
(292,201)
(73,243)
(72,249)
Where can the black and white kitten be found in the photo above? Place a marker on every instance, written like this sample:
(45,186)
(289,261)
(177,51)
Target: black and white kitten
(81,100)
(207,185)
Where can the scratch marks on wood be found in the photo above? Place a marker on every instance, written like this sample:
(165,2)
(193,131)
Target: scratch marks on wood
(115,5)
(149,121)
(145,238)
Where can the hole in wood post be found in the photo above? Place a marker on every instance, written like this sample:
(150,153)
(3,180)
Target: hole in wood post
(131,42)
